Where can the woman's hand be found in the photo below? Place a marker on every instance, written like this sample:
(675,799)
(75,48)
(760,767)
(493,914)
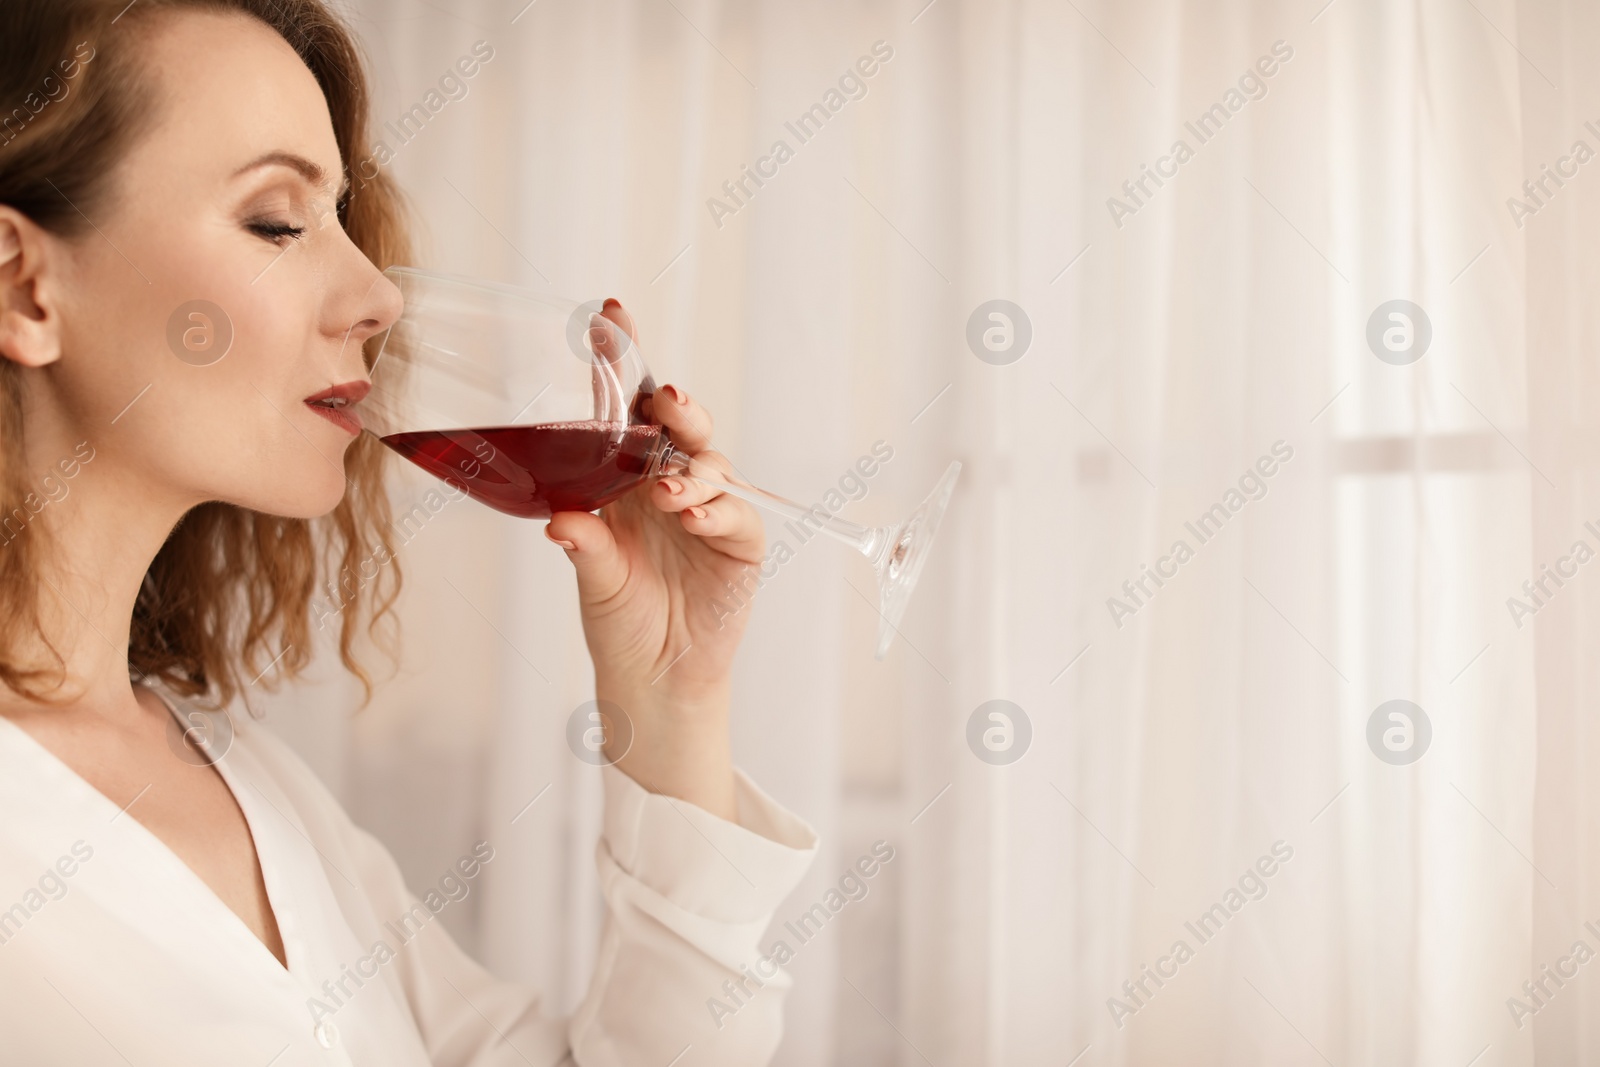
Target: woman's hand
(662,627)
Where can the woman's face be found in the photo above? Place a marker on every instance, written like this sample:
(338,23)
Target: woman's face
(217,292)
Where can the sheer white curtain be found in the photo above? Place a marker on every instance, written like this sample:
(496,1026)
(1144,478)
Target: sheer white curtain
(1210,324)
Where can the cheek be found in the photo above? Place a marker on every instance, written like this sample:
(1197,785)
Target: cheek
(203,398)
(189,359)
(144,325)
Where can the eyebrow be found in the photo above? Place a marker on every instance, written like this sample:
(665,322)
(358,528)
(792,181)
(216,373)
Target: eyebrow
(310,171)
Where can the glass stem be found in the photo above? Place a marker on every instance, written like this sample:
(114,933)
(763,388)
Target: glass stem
(869,541)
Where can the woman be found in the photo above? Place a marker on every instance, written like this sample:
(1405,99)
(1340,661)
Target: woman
(165,525)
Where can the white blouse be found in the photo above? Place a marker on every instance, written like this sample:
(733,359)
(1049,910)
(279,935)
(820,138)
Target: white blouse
(112,951)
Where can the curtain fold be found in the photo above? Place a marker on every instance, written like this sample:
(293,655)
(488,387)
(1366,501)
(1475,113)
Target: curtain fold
(1203,371)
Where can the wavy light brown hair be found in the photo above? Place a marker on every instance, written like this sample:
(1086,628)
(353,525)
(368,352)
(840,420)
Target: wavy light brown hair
(232,591)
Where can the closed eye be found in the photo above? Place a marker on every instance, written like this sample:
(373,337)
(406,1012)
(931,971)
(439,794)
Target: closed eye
(274,231)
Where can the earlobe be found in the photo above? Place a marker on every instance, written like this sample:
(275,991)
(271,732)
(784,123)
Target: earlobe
(29,328)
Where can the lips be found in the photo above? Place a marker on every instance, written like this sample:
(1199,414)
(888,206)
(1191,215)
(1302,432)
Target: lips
(337,404)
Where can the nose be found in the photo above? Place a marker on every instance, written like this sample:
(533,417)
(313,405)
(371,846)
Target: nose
(369,302)
(379,309)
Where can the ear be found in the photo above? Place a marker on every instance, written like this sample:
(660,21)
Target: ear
(30,317)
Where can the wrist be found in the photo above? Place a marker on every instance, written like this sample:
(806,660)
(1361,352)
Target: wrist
(674,743)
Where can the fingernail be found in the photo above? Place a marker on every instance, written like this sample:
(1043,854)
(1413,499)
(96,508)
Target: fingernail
(678,395)
(698,513)
(610,302)
(674,487)
(568,545)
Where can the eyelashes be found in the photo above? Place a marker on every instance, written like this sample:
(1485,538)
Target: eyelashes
(274,231)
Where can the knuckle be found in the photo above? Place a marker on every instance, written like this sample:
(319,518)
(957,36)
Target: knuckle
(715,460)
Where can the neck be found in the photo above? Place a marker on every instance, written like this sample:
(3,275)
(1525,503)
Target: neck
(98,527)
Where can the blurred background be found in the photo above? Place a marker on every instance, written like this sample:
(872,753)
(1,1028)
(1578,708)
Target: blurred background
(1305,286)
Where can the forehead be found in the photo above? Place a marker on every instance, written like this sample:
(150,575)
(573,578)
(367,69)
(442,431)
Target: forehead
(228,90)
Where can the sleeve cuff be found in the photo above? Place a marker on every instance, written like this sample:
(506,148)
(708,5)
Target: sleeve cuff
(722,871)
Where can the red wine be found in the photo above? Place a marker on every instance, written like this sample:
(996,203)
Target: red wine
(533,471)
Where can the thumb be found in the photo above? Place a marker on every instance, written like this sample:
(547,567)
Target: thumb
(594,553)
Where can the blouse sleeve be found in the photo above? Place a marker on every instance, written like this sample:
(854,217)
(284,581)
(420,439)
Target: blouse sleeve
(679,967)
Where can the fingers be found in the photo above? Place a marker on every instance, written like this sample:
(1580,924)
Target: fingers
(729,525)
(725,522)
(611,334)
(613,310)
(711,464)
(689,424)
(678,492)
(602,569)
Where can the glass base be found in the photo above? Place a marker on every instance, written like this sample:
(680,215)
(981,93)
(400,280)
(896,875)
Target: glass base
(902,563)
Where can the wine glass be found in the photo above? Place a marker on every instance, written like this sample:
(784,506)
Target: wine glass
(534,404)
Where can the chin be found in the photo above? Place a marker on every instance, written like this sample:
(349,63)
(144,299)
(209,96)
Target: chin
(322,503)
(309,498)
